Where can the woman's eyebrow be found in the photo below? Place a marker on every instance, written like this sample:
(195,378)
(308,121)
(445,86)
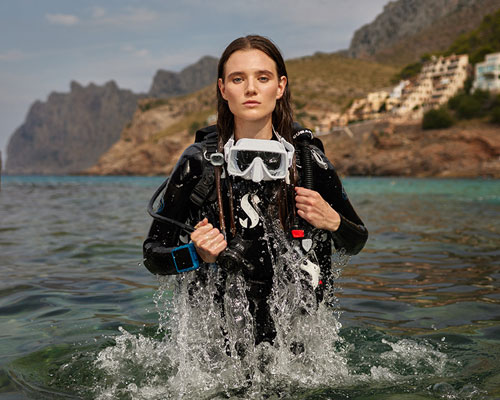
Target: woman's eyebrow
(259,72)
(264,72)
(234,73)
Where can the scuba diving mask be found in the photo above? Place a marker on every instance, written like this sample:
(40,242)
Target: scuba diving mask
(258,159)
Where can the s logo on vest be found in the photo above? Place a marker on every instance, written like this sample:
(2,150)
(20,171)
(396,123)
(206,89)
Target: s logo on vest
(250,211)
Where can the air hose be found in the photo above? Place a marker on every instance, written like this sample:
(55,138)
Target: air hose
(303,137)
(161,218)
(307,166)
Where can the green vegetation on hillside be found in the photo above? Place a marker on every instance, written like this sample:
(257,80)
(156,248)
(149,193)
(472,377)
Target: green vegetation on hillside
(191,122)
(437,119)
(481,41)
(480,104)
(477,43)
(411,70)
(149,104)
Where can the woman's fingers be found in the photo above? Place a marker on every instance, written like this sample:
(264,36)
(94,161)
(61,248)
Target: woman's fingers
(204,221)
(306,196)
(315,210)
(208,241)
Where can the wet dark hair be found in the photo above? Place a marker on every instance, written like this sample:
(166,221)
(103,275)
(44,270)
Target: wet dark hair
(282,114)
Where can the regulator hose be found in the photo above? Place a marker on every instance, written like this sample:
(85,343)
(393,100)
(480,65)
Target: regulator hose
(303,137)
(307,166)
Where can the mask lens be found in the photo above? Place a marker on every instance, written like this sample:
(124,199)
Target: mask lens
(272,160)
(244,159)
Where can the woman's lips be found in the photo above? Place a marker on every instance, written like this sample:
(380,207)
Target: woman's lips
(250,103)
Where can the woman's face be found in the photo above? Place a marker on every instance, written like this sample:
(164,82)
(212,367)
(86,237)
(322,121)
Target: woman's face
(251,85)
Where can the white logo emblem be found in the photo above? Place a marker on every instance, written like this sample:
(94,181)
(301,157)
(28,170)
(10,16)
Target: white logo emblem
(250,211)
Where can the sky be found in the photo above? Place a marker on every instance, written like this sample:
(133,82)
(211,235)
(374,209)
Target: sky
(45,44)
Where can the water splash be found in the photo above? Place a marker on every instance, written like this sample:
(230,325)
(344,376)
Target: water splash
(208,351)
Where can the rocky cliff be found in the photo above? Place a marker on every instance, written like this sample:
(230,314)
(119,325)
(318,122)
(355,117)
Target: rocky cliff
(387,149)
(190,79)
(70,131)
(157,135)
(406,29)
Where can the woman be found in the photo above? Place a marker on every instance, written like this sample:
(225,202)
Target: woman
(260,182)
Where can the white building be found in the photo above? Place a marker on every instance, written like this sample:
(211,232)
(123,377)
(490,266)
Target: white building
(439,80)
(488,73)
(397,91)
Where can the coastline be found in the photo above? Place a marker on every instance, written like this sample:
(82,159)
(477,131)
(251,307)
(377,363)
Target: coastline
(373,148)
(382,148)
(387,148)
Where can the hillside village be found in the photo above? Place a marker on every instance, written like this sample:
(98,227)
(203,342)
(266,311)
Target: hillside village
(440,79)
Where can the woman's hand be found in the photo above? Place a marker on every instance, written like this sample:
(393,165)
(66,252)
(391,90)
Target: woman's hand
(208,241)
(315,210)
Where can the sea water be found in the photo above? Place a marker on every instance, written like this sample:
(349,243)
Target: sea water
(414,316)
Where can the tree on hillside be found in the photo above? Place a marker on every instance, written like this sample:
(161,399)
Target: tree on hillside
(437,119)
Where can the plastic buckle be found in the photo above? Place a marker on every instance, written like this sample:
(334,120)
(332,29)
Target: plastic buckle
(217,159)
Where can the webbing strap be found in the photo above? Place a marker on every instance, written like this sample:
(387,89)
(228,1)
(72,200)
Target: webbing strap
(205,184)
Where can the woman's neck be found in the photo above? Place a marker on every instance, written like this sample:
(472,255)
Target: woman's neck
(262,129)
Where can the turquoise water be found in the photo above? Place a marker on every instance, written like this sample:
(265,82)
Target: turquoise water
(418,308)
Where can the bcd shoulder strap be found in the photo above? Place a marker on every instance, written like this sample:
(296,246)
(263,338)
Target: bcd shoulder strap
(208,137)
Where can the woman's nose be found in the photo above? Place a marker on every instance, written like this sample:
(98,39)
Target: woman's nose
(251,88)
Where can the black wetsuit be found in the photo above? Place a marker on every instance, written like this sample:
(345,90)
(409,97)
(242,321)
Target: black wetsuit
(248,199)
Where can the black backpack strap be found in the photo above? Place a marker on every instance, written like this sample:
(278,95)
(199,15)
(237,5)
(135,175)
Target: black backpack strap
(210,144)
(202,133)
(206,183)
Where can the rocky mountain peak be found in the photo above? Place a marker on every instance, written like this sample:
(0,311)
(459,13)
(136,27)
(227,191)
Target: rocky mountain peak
(68,132)
(190,79)
(407,28)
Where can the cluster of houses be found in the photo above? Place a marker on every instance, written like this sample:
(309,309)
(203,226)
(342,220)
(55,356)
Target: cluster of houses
(439,80)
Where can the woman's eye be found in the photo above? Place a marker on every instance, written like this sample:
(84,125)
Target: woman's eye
(237,80)
(263,78)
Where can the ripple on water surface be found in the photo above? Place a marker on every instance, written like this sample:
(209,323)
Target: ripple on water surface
(415,315)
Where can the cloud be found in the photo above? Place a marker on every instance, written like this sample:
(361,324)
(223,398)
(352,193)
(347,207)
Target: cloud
(131,16)
(135,51)
(12,55)
(98,12)
(62,19)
